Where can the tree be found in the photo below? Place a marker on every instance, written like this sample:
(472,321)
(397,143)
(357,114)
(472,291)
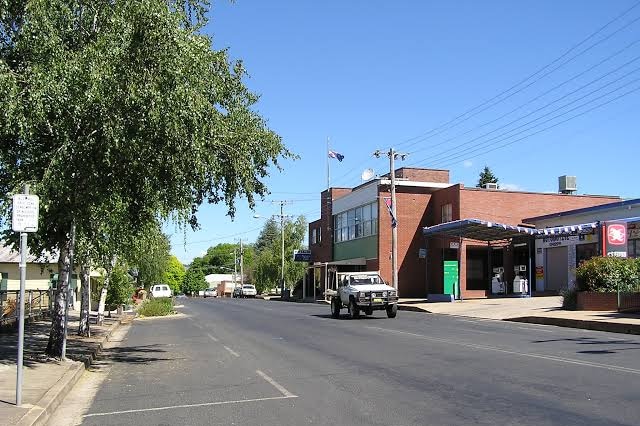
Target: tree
(120,289)
(194,281)
(122,104)
(268,265)
(486,176)
(269,234)
(174,274)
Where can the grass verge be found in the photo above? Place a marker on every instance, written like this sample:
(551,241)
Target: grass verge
(158,307)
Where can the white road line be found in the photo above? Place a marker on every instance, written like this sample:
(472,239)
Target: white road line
(199,326)
(190,319)
(276,385)
(532,328)
(231,351)
(212,338)
(522,354)
(204,404)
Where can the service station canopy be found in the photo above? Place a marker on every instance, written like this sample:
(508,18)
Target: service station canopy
(481,230)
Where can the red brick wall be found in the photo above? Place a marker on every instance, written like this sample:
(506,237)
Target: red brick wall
(412,215)
(323,252)
(423,175)
(511,207)
(591,301)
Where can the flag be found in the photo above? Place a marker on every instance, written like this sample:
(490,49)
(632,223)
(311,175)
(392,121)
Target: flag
(394,221)
(334,154)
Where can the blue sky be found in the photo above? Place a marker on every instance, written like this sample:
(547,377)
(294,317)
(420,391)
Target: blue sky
(375,74)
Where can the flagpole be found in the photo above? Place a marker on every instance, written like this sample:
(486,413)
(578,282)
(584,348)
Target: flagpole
(328,166)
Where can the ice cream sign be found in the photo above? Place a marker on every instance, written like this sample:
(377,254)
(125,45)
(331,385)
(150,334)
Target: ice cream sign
(616,239)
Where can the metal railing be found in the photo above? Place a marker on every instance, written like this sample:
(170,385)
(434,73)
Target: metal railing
(629,298)
(36,303)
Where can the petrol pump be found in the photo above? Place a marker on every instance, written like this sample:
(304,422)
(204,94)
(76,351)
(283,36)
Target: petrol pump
(497,282)
(520,282)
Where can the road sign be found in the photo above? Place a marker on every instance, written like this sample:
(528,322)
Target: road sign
(25,213)
(302,255)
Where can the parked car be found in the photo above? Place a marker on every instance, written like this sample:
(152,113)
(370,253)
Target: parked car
(211,292)
(160,290)
(237,292)
(248,290)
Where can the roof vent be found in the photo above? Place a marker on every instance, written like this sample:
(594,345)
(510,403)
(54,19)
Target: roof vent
(490,185)
(567,184)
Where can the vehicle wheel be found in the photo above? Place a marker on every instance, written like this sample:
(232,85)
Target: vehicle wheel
(354,312)
(392,311)
(335,307)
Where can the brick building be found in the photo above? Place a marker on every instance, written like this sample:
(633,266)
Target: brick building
(354,229)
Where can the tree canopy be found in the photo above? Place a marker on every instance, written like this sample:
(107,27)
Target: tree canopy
(119,113)
(486,176)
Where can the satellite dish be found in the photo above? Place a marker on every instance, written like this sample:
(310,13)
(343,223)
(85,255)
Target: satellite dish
(367,174)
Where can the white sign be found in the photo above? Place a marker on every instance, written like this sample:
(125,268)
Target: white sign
(25,213)
(454,245)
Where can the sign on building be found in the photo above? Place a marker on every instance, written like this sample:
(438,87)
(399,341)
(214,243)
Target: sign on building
(615,239)
(25,213)
(302,256)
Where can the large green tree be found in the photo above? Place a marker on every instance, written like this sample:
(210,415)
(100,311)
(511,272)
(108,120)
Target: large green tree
(486,176)
(174,274)
(193,281)
(122,108)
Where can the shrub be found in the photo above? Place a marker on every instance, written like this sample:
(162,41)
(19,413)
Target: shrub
(569,298)
(608,274)
(157,307)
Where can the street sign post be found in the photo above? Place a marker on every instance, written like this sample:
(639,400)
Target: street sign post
(24,219)
(302,256)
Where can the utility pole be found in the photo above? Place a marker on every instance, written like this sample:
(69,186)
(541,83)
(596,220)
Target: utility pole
(282,217)
(393,155)
(241,263)
(235,267)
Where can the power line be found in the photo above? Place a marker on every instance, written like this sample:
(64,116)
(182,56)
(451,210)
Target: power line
(454,122)
(457,147)
(544,94)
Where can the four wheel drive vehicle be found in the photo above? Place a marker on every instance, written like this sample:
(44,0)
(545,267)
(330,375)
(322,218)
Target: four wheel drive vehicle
(248,290)
(362,291)
(210,292)
(160,290)
(237,292)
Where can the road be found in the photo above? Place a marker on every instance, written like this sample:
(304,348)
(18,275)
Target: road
(255,362)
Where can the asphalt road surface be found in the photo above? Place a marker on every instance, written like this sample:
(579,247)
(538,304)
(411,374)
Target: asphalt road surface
(255,362)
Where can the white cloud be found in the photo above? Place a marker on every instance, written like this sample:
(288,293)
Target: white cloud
(511,187)
(467,163)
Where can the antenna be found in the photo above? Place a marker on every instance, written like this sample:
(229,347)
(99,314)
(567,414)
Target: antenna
(367,174)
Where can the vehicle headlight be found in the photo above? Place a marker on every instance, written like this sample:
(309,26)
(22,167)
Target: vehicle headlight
(392,293)
(384,294)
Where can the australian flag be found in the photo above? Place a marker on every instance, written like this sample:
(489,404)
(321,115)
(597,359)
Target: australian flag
(334,154)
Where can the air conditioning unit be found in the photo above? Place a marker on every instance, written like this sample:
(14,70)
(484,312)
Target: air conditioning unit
(490,185)
(567,184)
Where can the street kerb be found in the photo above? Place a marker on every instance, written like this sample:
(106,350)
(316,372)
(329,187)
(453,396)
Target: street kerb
(49,402)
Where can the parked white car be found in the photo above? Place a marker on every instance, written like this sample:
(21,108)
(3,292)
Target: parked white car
(363,291)
(210,292)
(160,290)
(248,290)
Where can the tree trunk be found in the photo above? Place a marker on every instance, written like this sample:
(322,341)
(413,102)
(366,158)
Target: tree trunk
(85,302)
(103,292)
(58,313)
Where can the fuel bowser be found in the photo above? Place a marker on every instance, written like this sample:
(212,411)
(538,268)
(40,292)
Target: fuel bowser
(520,282)
(497,282)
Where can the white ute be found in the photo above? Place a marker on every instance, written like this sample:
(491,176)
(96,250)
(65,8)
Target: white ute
(362,291)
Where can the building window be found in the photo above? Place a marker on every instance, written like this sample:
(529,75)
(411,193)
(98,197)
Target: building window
(356,223)
(313,236)
(447,213)
(319,236)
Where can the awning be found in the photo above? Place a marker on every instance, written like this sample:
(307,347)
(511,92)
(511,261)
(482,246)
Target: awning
(477,229)
(357,261)
(481,230)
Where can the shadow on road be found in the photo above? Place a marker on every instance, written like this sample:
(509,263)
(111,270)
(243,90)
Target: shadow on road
(629,344)
(346,317)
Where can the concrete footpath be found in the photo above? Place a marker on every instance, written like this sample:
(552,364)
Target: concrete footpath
(46,381)
(536,310)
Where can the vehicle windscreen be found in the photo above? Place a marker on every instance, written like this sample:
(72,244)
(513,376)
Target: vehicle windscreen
(366,279)
(248,286)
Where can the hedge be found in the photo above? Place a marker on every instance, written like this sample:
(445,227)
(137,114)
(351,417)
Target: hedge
(608,274)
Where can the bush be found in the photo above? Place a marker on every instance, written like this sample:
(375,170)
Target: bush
(569,298)
(157,307)
(608,274)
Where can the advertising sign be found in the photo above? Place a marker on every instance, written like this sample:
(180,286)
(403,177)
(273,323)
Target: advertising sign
(302,255)
(615,239)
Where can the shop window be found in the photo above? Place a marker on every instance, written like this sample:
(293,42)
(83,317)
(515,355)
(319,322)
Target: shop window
(585,252)
(447,213)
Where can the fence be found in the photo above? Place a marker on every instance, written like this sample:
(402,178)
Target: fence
(629,298)
(36,303)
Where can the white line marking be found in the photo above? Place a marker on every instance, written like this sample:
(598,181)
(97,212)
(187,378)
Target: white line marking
(212,338)
(204,404)
(506,351)
(190,319)
(276,385)
(199,326)
(536,329)
(231,351)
